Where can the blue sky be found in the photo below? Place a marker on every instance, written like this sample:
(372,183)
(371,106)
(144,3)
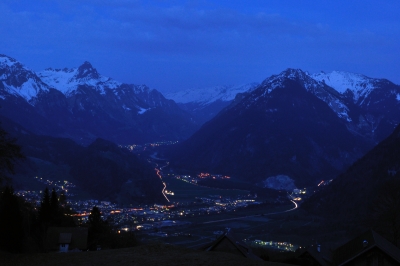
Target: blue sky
(174,45)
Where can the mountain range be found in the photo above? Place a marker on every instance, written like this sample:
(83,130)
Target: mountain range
(295,127)
(82,105)
(292,130)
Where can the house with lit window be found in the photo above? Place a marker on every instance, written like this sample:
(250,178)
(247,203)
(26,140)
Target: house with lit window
(64,239)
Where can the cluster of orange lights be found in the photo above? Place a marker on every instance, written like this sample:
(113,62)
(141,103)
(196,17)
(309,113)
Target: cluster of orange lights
(80,214)
(87,214)
(207,175)
(203,175)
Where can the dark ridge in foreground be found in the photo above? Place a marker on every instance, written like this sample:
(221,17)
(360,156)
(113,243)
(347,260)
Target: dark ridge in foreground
(367,194)
(154,254)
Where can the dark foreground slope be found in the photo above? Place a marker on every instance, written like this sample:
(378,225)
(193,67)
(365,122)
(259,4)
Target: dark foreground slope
(140,255)
(102,170)
(367,194)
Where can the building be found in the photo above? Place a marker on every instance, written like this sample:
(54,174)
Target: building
(63,239)
(227,242)
(369,248)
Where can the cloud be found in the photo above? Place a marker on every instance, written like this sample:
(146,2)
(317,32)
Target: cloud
(193,34)
(179,29)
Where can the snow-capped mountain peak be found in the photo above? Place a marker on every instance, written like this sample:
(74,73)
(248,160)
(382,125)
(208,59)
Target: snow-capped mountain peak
(67,80)
(208,95)
(293,73)
(359,85)
(304,79)
(19,80)
(86,71)
(299,75)
(7,61)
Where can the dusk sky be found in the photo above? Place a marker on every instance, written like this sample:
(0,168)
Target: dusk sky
(175,45)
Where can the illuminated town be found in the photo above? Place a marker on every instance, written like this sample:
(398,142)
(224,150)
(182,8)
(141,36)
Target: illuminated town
(165,220)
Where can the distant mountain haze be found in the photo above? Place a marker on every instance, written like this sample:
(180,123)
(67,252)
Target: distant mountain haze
(205,103)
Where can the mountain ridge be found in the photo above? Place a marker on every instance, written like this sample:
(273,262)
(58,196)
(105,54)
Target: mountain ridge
(250,140)
(82,104)
(297,126)
(101,170)
(366,194)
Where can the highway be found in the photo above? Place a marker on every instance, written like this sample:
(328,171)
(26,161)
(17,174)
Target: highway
(250,216)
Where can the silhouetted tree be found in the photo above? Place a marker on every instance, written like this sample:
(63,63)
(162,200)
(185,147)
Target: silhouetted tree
(95,218)
(55,211)
(101,233)
(51,213)
(45,209)
(9,153)
(11,221)
(54,205)
(98,229)
(15,214)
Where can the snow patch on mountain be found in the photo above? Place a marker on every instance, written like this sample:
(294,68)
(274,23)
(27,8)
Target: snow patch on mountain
(29,89)
(141,89)
(143,110)
(7,61)
(67,80)
(210,94)
(126,108)
(398,96)
(340,109)
(360,85)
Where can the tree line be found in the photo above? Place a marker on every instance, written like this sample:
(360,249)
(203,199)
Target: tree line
(24,226)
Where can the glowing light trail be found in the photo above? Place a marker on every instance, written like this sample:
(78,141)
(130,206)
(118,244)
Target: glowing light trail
(158,172)
(250,216)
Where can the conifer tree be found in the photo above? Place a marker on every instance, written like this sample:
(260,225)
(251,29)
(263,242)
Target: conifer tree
(9,153)
(97,228)
(45,209)
(11,209)
(95,218)
(11,229)
(55,218)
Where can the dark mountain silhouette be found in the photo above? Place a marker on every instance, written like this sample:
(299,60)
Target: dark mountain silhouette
(367,194)
(102,170)
(280,128)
